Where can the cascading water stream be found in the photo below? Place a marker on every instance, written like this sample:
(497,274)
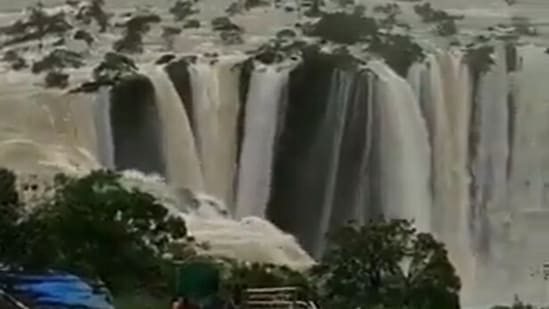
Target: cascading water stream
(443,87)
(404,145)
(489,165)
(327,145)
(260,130)
(227,73)
(433,104)
(182,163)
(216,105)
(102,119)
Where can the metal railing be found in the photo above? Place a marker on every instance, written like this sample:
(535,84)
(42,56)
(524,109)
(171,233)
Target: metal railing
(275,298)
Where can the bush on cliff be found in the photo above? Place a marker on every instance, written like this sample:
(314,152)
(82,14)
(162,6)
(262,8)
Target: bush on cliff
(386,265)
(399,51)
(345,28)
(35,25)
(182,9)
(134,30)
(94,10)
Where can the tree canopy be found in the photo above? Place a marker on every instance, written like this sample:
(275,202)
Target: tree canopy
(386,265)
(92,226)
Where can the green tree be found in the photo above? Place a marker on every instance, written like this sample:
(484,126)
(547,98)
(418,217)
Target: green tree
(10,211)
(96,227)
(386,265)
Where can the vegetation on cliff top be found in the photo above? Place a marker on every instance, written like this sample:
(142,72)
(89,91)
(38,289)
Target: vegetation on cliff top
(135,27)
(35,25)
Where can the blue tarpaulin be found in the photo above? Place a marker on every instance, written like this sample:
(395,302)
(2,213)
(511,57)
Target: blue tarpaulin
(54,290)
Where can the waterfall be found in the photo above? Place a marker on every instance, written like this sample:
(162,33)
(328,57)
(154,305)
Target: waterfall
(437,119)
(326,180)
(136,126)
(228,75)
(443,87)
(327,147)
(415,79)
(102,117)
(216,105)
(265,99)
(457,88)
(349,194)
(489,166)
(405,153)
(182,163)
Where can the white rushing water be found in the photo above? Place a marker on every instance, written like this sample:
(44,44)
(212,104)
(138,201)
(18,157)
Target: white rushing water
(328,142)
(405,161)
(183,164)
(216,106)
(262,109)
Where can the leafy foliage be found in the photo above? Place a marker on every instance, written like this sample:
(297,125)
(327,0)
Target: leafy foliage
(386,265)
(345,28)
(56,79)
(10,211)
(399,51)
(390,11)
(94,10)
(94,226)
(182,9)
(58,59)
(35,25)
(445,22)
(16,61)
(134,30)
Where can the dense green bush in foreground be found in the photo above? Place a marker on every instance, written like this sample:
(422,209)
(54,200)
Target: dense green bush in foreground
(95,227)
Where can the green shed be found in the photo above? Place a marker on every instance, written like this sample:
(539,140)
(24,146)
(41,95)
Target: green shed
(197,281)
